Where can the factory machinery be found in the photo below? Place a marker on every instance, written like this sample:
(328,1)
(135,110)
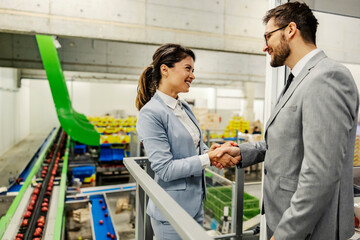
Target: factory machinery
(48,200)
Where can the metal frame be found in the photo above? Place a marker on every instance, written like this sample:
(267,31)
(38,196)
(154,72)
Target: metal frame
(182,222)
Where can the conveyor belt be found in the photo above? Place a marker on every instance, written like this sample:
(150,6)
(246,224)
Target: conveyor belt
(16,204)
(35,218)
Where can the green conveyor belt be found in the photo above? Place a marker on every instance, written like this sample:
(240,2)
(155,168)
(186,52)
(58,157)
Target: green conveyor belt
(75,124)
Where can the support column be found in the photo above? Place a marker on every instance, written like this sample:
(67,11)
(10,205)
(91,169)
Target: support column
(249,109)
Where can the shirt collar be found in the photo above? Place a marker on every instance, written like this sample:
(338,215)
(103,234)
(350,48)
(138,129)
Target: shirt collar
(169,101)
(301,64)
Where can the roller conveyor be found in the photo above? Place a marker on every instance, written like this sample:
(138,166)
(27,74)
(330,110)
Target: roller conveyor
(44,199)
(32,214)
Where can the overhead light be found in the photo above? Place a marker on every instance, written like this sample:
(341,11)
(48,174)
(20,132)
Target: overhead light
(56,42)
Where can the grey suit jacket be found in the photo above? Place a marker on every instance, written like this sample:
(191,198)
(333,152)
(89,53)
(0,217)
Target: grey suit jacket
(173,156)
(308,152)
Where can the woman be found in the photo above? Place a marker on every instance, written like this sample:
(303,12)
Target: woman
(171,135)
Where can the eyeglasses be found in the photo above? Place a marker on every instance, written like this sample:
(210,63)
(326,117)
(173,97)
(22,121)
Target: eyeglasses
(267,34)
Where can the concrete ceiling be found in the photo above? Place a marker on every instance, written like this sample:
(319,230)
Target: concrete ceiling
(95,60)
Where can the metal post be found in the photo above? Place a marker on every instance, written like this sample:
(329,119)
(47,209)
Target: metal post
(208,137)
(239,202)
(148,228)
(140,213)
(134,145)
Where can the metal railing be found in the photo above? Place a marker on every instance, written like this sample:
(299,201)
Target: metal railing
(181,221)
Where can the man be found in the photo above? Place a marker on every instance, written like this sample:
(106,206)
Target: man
(309,139)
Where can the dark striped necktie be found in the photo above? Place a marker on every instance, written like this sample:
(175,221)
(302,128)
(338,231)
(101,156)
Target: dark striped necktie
(288,82)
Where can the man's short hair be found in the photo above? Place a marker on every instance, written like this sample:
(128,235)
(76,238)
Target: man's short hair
(296,12)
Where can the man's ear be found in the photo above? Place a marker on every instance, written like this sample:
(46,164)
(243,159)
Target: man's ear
(164,70)
(292,29)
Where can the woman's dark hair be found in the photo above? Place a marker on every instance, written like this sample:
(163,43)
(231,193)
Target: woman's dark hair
(167,54)
(296,12)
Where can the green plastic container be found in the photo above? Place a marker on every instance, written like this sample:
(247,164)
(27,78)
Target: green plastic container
(219,197)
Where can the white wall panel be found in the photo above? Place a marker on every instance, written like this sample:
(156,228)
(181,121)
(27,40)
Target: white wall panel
(43,116)
(339,36)
(80,94)
(14,109)
(204,97)
(109,97)
(22,111)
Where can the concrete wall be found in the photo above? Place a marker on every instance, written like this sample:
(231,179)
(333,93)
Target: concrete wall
(225,25)
(215,24)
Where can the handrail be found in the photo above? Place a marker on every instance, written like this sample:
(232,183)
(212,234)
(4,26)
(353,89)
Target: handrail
(181,221)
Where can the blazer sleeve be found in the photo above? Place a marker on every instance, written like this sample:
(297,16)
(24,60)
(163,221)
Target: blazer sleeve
(205,148)
(152,132)
(328,114)
(252,153)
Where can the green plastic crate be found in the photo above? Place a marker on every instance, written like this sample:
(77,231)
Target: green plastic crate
(219,197)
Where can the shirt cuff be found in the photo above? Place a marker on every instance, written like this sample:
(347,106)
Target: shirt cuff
(205,160)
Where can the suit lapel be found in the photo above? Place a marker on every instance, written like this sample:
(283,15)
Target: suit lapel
(186,107)
(192,117)
(297,80)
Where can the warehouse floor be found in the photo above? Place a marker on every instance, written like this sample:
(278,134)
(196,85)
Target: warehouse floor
(15,159)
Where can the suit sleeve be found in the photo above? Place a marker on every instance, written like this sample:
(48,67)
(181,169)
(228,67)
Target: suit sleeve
(154,137)
(252,153)
(328,114)
(205,148)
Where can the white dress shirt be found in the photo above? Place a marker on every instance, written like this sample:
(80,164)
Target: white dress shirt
(301,64)
(176,106)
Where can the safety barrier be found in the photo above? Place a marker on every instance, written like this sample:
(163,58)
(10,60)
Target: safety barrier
(182,222)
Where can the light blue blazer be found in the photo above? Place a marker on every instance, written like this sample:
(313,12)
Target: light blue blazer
(172,155)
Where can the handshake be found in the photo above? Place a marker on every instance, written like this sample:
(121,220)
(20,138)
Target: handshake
(225,155)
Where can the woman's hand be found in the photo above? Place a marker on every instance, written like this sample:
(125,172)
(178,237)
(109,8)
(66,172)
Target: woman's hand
(217,145)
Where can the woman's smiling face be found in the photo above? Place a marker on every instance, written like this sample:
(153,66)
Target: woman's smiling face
(178,78)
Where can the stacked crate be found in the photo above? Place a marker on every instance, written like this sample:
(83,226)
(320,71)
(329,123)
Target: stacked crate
(114,131)
(236,123)
(206,120)
(219,197)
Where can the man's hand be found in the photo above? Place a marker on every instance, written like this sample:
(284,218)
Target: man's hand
(233,151)
(226,160)
(272,238)
(227,144)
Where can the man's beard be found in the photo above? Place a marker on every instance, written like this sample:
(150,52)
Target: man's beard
(281,54)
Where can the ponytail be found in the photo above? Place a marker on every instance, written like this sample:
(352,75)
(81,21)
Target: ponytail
(145,89)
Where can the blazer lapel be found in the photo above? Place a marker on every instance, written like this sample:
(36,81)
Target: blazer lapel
(192,117)
(186,107)
(296,81)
